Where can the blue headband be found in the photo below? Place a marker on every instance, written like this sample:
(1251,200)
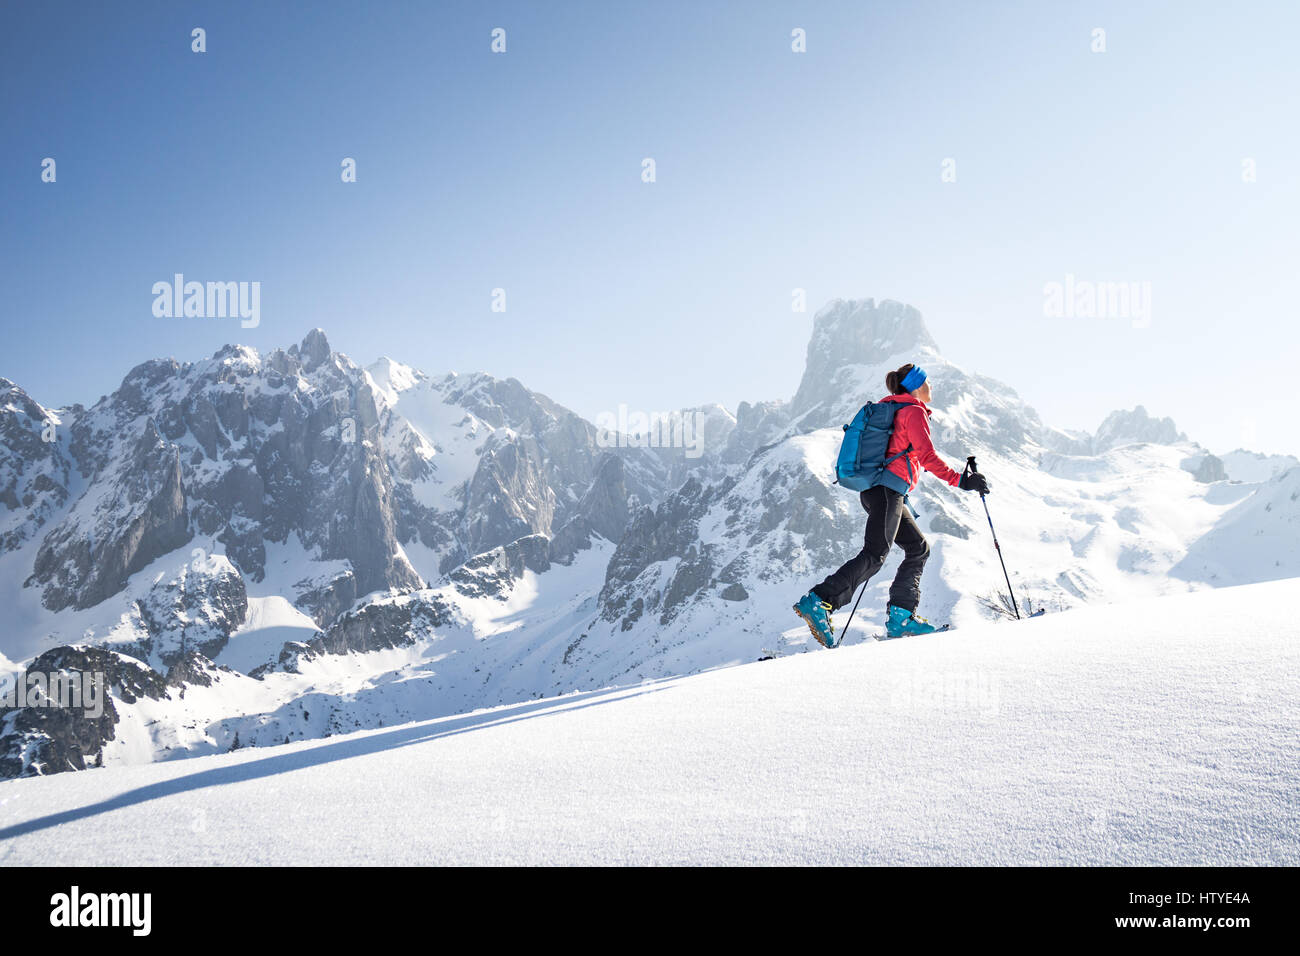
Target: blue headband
(913,379)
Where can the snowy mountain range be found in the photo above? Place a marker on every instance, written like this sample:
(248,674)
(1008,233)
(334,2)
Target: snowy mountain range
(257,549)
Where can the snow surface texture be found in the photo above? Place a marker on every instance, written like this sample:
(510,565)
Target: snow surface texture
(1160,731)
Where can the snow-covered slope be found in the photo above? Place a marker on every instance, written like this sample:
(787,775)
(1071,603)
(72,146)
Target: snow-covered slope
(1257,540)
(1161,731)
(1250,466)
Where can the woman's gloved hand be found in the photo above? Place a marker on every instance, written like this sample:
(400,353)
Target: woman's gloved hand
(974,481)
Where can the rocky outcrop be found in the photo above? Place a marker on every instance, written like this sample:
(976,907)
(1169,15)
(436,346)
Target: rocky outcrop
(292,655)
(493,573)
(1209,469)
(324,598)
(194,612)
(392,622)
(661,534)
(193,669)
(68,730)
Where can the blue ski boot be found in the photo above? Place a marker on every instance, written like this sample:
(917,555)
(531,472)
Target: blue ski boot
(903,623)
(817,614)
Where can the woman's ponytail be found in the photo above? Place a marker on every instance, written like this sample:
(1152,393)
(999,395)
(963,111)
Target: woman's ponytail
(894,380)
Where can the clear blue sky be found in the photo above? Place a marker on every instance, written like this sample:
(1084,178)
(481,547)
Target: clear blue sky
(775,170)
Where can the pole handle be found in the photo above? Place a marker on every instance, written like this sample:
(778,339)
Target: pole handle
(971,466)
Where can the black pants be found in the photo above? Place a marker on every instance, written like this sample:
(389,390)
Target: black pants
(889,522)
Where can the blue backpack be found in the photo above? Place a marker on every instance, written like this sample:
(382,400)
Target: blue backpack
(862,463)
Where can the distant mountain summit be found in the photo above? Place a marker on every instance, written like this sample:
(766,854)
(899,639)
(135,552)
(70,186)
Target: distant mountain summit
(853,335)
(1126,427)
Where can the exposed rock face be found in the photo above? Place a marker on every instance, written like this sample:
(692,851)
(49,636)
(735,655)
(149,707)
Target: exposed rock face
(314,350)
(494,572)
(508,497)
(37,740)
(356,513)
(1127,427)
(393,622)
(134,515)
(36,472)
(237,448)
(758,425)
(656,535)
(503,463)
(193,669)
(603,511)
(1210,469)
(194,612)
(291,657)
(734,592)
(325,599)
(330,467)
(690,442)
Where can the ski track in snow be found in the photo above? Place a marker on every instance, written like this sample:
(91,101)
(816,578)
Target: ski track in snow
(1157,731)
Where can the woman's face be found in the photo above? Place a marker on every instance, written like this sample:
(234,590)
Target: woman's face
(923,393)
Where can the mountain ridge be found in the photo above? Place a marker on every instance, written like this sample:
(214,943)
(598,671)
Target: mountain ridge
(280,510)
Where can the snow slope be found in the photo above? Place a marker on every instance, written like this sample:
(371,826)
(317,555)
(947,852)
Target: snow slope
(1256,540)
(1160,731)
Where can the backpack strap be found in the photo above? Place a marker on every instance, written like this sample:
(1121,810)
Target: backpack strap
(884,465)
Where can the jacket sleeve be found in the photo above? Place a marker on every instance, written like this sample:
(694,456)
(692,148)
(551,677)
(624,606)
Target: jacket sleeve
(918,433)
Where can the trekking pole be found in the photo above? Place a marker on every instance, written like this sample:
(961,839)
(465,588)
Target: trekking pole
(845,633)
(970,466)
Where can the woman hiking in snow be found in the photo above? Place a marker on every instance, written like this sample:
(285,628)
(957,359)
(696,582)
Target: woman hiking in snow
(889,521)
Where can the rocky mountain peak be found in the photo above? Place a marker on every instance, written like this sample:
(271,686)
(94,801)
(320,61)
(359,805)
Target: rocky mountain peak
(862,332)
(315,348)
(851,334)
(1136,425)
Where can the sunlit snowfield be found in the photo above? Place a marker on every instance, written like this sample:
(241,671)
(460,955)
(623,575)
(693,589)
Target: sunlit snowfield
(1159,731)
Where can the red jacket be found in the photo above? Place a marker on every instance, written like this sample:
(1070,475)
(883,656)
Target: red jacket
(912,427)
